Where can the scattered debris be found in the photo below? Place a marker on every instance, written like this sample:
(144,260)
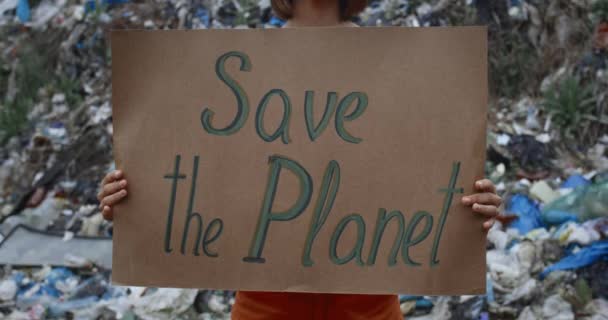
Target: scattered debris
(27,246)
(547,154)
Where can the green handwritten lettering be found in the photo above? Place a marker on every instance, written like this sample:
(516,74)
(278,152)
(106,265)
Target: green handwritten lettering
(449,195)
(283,129)
(207,239)
(330,106)
(355,253)
(241,96)
(277,163)
(381,223)
(174,177)
(408,241)
(190,214)
(341,115)
(327,195)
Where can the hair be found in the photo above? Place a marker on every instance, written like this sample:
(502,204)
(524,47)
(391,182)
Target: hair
(348,8)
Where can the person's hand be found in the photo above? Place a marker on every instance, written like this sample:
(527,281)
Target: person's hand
(113,190)
(485,202)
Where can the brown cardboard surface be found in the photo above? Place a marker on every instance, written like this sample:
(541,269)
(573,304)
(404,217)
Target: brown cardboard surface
(426,92)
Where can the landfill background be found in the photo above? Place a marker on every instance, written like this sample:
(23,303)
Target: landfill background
(547,257)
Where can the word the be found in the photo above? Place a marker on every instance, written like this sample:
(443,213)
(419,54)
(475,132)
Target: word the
(209,235)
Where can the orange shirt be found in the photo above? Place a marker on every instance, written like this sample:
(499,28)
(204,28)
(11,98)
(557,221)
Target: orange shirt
(251,305)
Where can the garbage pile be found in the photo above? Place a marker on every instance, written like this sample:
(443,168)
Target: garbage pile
(60,293)
(547,139)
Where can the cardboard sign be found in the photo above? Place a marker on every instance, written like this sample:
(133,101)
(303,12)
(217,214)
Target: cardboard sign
(311,160)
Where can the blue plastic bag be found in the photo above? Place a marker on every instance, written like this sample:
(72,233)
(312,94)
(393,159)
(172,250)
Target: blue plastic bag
(575,181)
(203,15)
(557,217)
(57,275)
(577,206)
(422,303)
(529,217)
(586,202)
(111,2)
(23,10)
(91,5)
(59,309)
(276,22)
(586,256)
(489,288)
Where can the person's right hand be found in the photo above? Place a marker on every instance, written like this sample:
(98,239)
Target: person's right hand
(113,190)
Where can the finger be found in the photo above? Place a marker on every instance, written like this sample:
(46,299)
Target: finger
(488,211)
(482,198)
(485,185)
(488,224)
(113,187)
(111,177)
(107,213)
(113,198)
(110,189)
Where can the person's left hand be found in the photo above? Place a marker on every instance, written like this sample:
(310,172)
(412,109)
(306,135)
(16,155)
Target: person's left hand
(485,202)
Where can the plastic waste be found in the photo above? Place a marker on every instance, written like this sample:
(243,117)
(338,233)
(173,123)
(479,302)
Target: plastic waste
(489,289)
(573,232)
(523,293)
(542,191)
(407,307)
(162,303)
(77,117)
(90,6)
(203,16)
(114,2)
(60,309)
(8,289)
(46,291)
(505,269)
(95,286)
(23,11)
(42,216)
(500,239)
(557,217)
(600,225)
(598,307)
(584,257)
(529,217)
(57,282)
(575,181)
(274,21)
(528,256)
(5,6)
(530,154)
(538,234)
(441,311)
(586,202)
(421,303)
(556,308)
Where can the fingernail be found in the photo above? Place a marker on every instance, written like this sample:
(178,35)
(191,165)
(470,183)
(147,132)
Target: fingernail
(123,192)
(466,200)
(123,183)
(478,183)
(475,206)
(117,174)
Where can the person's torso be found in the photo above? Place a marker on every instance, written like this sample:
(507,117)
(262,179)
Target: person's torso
(313,306)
